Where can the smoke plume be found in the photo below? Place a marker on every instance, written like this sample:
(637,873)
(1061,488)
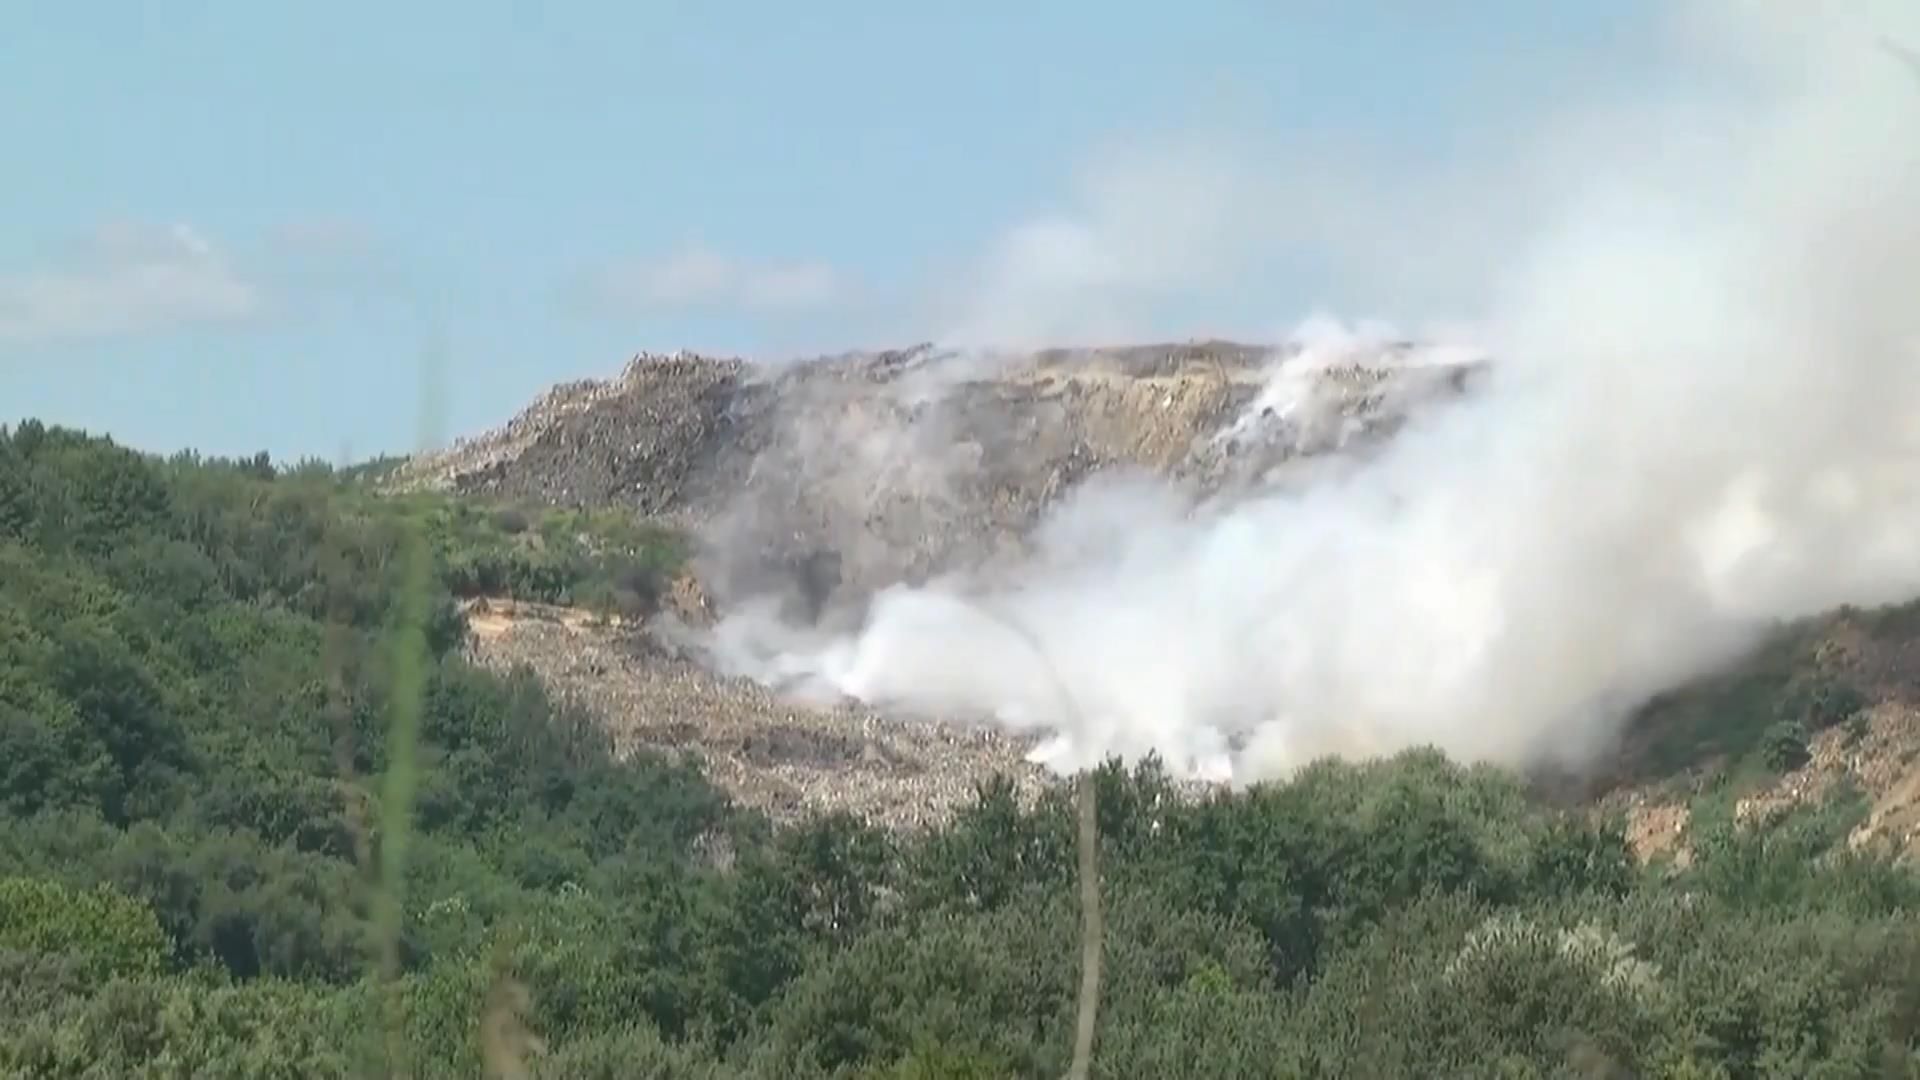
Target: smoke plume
(1699,419)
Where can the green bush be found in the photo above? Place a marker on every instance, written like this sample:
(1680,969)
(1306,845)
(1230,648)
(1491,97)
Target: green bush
(110,934)
(1820,702)
(197,679)
(1784,748)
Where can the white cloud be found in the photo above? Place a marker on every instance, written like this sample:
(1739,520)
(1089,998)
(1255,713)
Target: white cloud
(699,277)
(127,279)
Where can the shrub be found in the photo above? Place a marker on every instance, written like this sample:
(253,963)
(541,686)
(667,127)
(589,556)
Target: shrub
(511,520)
(1820,703)
(1784,747)
(108,932)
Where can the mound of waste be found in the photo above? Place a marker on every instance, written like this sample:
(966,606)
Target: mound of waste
(828,479)
(810,486)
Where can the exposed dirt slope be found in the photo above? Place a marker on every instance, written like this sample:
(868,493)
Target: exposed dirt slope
(767,753)
(1717,733)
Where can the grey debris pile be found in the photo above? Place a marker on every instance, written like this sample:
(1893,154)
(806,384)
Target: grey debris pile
(817,483)
(907,463)
(785,759)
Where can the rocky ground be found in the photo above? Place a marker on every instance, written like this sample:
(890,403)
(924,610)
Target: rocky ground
(1874,751)
(1881,758)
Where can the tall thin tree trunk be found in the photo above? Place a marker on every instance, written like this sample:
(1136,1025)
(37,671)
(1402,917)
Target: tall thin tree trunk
(1090,930)
(1074,720)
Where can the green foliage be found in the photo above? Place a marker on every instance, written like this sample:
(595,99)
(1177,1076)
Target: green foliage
(187,1027)
(603,560)
(1747,714)
(197,678)
(229,691)
(108,933)
(932,1061)
(627,1051)
(1784,746)
(1723,717)
(1820,702)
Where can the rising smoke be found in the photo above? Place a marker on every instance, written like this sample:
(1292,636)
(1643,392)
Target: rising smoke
(1699,420)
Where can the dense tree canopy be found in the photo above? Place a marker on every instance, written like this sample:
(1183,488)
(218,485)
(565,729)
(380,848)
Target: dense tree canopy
(197,679)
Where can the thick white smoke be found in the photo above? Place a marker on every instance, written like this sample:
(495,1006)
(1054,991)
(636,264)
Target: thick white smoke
(1700,419)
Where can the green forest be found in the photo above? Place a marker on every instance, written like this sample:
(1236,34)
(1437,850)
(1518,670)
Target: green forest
(263,820)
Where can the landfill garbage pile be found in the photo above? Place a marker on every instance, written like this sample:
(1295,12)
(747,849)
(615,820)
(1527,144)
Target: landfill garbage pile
(835,477)
(813,485)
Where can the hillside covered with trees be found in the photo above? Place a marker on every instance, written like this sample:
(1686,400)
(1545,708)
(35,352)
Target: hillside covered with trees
(263,819)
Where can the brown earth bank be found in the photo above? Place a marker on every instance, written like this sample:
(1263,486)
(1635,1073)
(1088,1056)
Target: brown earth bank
(1708,743)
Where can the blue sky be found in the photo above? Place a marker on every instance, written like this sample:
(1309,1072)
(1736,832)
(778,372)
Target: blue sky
(238,226)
